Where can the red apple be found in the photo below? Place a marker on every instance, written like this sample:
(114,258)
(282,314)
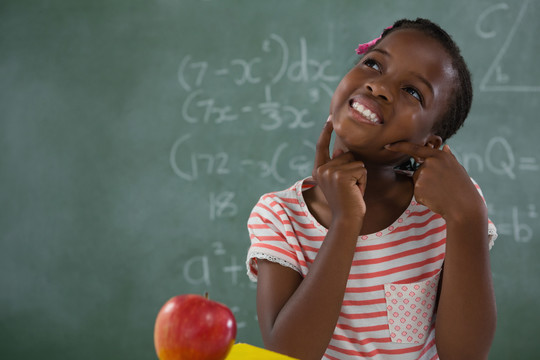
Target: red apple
(195,328)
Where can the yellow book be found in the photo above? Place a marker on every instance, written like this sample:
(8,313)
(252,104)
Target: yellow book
(250,352)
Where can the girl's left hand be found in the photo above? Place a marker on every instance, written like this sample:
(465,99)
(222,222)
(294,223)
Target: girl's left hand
(441,183)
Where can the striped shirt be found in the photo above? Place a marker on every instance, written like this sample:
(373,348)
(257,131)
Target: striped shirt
(388,308)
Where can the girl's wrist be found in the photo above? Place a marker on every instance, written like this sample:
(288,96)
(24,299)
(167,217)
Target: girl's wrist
(466,208)
(467,216)
(351,224)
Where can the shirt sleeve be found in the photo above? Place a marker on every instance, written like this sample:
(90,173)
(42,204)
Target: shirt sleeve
(268,231)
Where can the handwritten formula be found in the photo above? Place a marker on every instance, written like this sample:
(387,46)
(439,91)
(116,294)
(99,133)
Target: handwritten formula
(273,67)
(496,78)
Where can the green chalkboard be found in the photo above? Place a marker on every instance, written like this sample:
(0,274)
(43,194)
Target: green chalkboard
(136,135)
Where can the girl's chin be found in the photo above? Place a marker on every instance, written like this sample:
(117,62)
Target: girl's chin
(347,143)
(349,136)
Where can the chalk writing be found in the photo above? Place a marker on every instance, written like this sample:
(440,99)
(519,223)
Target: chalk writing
(221,164)
(222,205)
(200,66)
(236,311)
(196,271)
(208,110)
(502,79)
(514,225)
(267,47)
(219,249)
(204,270)
(268,168)
(234,268)
(216,164)
(301,164)
(200,269)
(278,114)
(191,73)
(246,70)
(499,159)
(200,108)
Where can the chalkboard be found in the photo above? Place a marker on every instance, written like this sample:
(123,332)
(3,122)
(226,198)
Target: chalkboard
(136,136)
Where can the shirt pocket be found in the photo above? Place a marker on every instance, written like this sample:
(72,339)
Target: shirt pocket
(410,309)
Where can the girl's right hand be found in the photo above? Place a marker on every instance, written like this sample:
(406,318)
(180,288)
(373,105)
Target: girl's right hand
(341,179)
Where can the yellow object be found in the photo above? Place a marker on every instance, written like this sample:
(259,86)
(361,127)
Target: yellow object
(250,352)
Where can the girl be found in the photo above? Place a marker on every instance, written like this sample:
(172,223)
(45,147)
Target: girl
(362,260)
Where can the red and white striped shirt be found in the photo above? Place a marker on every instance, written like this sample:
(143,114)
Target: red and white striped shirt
(387,311)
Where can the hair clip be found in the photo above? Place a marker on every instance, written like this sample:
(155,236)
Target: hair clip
(363,48)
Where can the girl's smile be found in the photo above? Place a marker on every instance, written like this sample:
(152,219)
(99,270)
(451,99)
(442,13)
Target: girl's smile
(364,111)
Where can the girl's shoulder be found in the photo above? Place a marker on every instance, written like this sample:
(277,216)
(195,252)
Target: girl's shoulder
(292,192)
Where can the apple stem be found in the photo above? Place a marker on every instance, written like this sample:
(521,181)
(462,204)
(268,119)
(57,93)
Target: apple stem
(206,294)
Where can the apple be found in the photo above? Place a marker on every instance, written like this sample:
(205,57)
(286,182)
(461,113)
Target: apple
(195,328)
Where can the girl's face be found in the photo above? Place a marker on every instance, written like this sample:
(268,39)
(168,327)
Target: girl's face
(395,93)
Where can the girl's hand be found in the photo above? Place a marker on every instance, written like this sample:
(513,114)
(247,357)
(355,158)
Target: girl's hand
(341,179)
(441,183)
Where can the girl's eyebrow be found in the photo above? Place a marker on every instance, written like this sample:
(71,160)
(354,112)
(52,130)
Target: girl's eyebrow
(384,52)
(423,80)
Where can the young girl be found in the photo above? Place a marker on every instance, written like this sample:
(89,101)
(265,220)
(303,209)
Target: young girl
(365,261)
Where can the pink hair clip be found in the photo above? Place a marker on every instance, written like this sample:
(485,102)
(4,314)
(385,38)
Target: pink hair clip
(363,48)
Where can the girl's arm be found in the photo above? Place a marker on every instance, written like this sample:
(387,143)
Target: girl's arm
(466,315)
(297,316)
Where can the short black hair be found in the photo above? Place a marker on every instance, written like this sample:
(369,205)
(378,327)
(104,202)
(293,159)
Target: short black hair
(461,96)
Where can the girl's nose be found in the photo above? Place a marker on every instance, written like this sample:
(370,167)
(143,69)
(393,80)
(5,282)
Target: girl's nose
(378,89)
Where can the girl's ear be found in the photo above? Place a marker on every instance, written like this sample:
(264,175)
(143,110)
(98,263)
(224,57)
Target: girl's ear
(434,141)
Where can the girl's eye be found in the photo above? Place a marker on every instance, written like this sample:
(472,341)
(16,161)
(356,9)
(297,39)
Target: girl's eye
(414,93)
(372,64)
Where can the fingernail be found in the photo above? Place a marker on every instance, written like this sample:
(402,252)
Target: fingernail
(387,146)
(329,118)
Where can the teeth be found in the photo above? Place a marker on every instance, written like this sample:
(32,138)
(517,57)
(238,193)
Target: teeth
(365,112)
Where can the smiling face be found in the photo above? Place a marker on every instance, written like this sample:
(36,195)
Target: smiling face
(395,93)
